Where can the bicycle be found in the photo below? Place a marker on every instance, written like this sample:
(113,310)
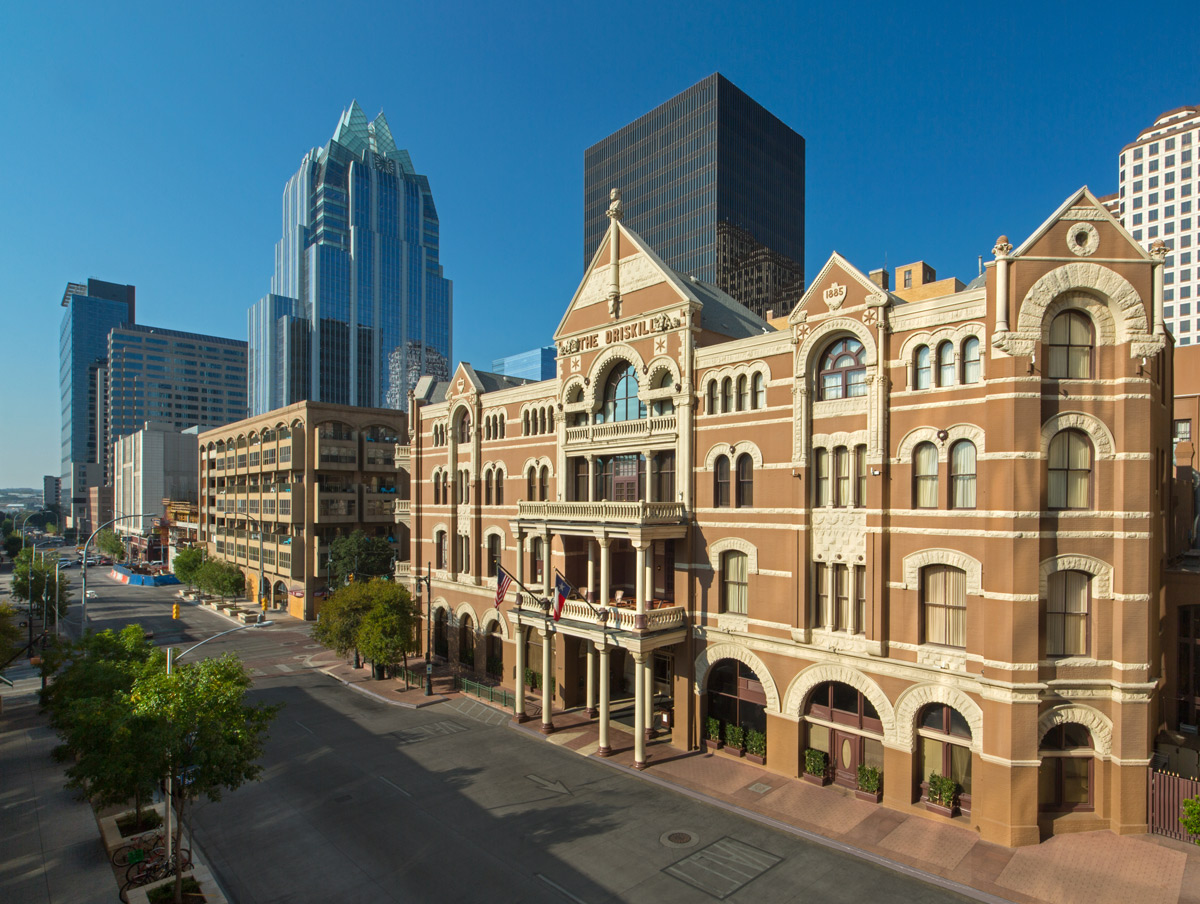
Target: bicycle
(137,849)
(156,867)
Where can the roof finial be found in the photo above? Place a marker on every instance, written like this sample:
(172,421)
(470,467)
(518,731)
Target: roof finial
(615,210)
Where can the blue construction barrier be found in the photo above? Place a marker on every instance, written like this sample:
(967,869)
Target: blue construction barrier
(125,576)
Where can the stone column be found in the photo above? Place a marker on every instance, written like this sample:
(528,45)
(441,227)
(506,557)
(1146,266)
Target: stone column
(650,458)
(604,749)
(547,679)
(1158,254)
(639,712)
(547,569)
(639,547)
(1002,250)
(591,680)
(648,682)
(591,493)
(519,706)
(591,571)
(520,575)
(605,570)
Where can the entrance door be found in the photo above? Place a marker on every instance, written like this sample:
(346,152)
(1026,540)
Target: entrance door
(846,755)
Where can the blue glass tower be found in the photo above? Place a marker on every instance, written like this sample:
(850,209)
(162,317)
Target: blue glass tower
(358,308)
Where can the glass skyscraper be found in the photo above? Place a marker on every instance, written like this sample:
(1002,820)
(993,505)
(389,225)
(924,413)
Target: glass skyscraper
(715,184)
(358,308)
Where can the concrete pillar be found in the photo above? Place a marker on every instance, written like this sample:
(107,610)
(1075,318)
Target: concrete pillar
(639,711)
(591,491)
(547,679)
(591,570)
(648,681)
(640,578)
(519,706)
(1001,250)
(591,679)
(605,570)
(520,575)
(604,749)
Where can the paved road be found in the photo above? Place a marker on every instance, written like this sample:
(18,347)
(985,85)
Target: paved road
(365,801)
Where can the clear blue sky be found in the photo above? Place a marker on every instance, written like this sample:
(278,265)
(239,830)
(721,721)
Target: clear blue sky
(150,144)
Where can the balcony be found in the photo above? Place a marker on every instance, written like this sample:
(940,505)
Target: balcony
(337,455)
(335,507)
(401,509)
(650,428)
(403,456)
(666,618)
(378,506)
(623,513)
(403,571)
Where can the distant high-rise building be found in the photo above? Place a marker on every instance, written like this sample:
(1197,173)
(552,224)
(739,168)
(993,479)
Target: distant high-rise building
(1159,184)
(715,184)
(173,378)
(359,308)
(93,309)
(51,491)
(537,364)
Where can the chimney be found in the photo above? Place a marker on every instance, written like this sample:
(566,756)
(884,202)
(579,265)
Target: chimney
(880,278)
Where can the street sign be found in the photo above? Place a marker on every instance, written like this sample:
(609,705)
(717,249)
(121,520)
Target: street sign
(429,669)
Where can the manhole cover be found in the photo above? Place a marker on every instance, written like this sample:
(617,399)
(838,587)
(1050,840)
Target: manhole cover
(678,839)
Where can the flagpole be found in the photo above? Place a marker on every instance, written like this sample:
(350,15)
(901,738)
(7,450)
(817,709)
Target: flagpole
(587,602)
(522,587)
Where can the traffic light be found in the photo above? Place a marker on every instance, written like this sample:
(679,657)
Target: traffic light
(175,610)
(264,604)
(350,578)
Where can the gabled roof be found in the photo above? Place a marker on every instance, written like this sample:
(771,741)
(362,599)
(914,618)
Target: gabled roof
(836,260)
(1082,198)
(486,381)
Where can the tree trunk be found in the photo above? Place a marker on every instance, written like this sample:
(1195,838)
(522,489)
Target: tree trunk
(182,798)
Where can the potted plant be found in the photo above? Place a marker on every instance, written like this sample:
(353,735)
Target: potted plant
(735,739)
(870,783)
(756,746)
(942,796)
(816,766)
(712,728)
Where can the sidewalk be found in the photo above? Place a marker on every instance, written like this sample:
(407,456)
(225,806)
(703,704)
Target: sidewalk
(1085,868)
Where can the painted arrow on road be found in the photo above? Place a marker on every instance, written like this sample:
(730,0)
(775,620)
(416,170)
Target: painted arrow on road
(547,785)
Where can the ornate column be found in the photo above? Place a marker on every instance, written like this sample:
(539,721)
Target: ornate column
(648,682)
(591,493)
(547,560)
(1002,250)
(639,712)
(1158,253)
(547,678)
(519,705)
(650,457)
(591,571)
(591,680)
(520,575)
(604,749)
(614,214)
(605,570)
(639,547)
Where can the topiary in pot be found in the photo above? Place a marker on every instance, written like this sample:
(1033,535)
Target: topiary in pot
(712,730)
(816,765)
(735,738)
(870,782)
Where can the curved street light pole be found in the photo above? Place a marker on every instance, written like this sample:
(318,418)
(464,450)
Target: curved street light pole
(418,580)
(20,529)
(83,561)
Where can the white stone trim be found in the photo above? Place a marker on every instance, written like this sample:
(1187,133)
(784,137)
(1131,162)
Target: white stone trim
(492,614)
(718,374)
(725,544)
(914,562)
(714,653)
(1103,443)
(820,673)
(737,448)
(1101,571)
(1093,720)
(955,432)
(914,699)
(467,608)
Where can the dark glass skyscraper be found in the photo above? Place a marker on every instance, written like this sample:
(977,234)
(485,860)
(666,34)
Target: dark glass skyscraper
(715,183)
(358,308)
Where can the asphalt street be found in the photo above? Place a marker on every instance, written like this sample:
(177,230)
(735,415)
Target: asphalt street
(360,800)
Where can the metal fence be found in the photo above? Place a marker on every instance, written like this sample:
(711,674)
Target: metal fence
(485,692)
(1166,793)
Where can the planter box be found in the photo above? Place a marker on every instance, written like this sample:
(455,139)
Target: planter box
(815,779)
(734,751)
(713,745)
(872,796)
(110,835)
(208,887)
(948,812)
(755,758)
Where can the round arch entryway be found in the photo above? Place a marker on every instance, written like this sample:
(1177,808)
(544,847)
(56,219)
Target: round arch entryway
(466,640)
(843,723)
(494,651)
(441,640)
(279,595)
(734,695)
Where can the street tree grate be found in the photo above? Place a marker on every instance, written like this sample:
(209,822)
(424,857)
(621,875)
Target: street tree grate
(724,867)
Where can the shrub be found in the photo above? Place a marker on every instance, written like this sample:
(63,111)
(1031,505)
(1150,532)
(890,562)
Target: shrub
(815,761)
(713,728)
(532,679)
(735,737)
(870,778)
(756,742)
(943,790)
(1190,820)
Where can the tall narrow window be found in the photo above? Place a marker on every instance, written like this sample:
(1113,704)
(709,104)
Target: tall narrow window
(946,364)
(665,489)
(860,600)
(734,582)
(841,476)
(727,394)
(745,481)
(962,475)
(445,487)
(721,482)
(821,602)
(1071,346)
(944,601)
(860,476)
(841,597)
(743,393)
(1070,472)
(925,476)
(487,488)
(531,489)
(759,397)
(1068,594)
(712,397)
(544,484)
(499,487)
(970,360)
(579,468)
(821,479)
(621,402)
(495,550)
(921,368)
(439,548)
(536,562)
(437,489)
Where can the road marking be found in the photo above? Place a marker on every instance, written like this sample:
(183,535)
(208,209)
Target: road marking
(282,667)
(562,891)
(723,867)
(393,785)
(547,785)
(305,727)
(425,732)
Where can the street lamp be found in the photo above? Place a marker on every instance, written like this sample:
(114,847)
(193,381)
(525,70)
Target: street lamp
(172,657)
(262,571)
(83,561)
(428,624)
(28,515)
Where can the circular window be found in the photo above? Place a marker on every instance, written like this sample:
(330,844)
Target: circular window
(1083,239)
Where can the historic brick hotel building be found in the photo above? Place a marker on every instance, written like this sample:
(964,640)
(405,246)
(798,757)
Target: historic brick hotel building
(919,530)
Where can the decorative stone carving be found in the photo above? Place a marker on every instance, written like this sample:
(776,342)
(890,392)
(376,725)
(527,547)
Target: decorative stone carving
(1002,248)
(913,700)
(491,614)
(919,435)
(838,534)
(1158,250)
(1100,570)
(804,682)
(1085,213)
(1096,722)
(834,296)
(714,653)
(1096,429)
(735,543)
(1083,239)
(914,562)
(733,451)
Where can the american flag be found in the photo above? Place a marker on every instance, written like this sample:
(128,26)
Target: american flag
(503,580)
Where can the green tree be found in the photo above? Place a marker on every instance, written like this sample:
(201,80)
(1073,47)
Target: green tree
(220,579)
(208,736)
(10,634)
(12,545)
(34,580)
(187,564)
(387,633)
(341,617)
(360,555)
(110,544)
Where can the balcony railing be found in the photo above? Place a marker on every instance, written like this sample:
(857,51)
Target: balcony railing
(401,509)
(403,454)
(666,618)
(664,426)
(610,512)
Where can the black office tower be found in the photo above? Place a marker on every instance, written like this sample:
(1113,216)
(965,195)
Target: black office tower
(715,184)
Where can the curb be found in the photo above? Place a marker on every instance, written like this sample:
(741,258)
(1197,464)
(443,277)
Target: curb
(404,704)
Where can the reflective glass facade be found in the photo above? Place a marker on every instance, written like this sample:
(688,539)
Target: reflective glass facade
(359,308)
(537,364)
(709,156)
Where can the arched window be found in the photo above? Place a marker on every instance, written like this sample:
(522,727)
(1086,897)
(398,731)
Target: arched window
(946,364)
(550,420)
(1070,471)
(437,489)
(544,484)
(843,373)
(495,550)
(841,721)
(970,360)
(841,476)
(441,643)
(962,475)
(921,368)
(440,551)
(541,421)
(499,486)
(464,428)
(712,397)
(734,582)
(944,605)
(487,488)
(621,401)
(1071,340)
(743,393)
(531,489)
(445,488)
(925,476)
(721,482)
(945,748)
(758,398)
(821,477)
(525,423)
(1068,595)
(735,696)
(466,640)
(487,429)
(664,406)
(1065,776)
(745,481)
(727,395)
(537,561)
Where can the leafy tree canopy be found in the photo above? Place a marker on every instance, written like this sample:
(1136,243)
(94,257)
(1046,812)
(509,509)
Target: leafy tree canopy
(34,579)
(388,630)
(341,616)
(360,555)
(187,564)
(110,544)
(222,579)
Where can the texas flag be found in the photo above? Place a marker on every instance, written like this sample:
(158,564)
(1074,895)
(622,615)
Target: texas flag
(561,591)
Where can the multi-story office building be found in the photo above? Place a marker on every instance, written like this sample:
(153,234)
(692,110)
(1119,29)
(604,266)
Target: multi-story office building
(154,463)
(924,535)
(51,492)
(1159,186)
(535,364)
(715,184)
(358,308)
(93,310)
(276,489)
(172,378)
